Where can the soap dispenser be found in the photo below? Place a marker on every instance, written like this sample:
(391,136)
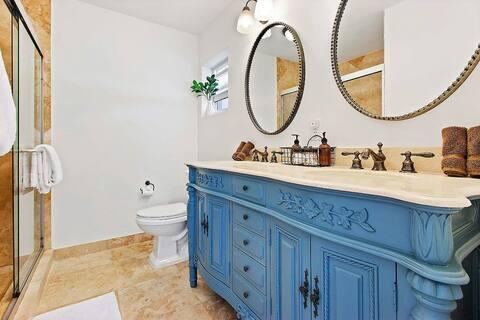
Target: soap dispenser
(325,159)
(296,143)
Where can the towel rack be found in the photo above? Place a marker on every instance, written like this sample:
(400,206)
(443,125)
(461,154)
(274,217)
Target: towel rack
(28,151)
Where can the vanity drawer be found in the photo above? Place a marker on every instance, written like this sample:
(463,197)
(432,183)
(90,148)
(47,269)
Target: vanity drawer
(250,269)
(250,219)
(249,242)
(250,296)
(248,189)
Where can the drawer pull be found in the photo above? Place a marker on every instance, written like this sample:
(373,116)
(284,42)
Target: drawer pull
(245,268)
(245,294)
(245,242)
(245,217)
(245,187)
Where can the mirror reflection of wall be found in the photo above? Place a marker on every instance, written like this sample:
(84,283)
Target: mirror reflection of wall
(274,78)
(396,56)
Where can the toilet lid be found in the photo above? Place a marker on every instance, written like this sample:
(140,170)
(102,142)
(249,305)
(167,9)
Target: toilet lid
(168,211)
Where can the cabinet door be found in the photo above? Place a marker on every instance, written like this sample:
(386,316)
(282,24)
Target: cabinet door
(218,238)
(352,285)
(290,260)
(201,230)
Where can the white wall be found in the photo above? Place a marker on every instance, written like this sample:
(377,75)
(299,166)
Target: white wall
(313,19)
(425,55)
(122,113)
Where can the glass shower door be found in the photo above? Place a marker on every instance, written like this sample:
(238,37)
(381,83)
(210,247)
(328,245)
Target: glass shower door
(28,203)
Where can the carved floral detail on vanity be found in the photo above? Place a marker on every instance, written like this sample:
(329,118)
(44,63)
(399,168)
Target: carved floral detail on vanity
(243,313)
(210,180)
(431,236)
(343,216)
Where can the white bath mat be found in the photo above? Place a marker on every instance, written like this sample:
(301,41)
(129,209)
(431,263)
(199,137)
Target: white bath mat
(100,308)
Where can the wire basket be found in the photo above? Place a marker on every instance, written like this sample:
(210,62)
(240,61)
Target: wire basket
(307,156)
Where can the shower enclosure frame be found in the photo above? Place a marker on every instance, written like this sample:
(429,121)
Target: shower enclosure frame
(19,20)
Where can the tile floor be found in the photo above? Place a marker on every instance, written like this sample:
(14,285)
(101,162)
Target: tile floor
(142,292)
(6,279)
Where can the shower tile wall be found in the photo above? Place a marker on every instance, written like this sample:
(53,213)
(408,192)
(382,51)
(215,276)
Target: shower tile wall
(6,189)
(39,12)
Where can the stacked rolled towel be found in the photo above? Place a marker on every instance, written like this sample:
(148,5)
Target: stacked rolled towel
(473,160)
(454,151)
(239,149)
(245,151)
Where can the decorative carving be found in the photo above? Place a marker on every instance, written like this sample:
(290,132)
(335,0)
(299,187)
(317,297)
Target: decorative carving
(243,313)
(210,180)
(431,236)
(435,300)
(372,276)
(343,216)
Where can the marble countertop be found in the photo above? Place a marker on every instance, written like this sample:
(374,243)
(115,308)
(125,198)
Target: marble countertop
(426,189)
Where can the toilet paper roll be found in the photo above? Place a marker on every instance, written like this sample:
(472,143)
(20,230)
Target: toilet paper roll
(147,191)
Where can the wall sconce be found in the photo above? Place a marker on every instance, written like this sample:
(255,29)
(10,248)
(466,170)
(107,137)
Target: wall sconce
(263,12)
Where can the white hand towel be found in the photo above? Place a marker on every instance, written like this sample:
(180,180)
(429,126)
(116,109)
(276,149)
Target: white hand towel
(34,170)
(49,168)
(8,120)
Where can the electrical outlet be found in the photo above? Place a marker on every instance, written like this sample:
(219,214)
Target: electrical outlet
(315,125)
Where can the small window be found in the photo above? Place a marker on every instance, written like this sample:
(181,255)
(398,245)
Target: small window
(220,71)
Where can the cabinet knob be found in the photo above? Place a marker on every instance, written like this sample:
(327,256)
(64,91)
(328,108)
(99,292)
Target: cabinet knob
(245,217)
(245,188)
(245,268)
(245,294)
(245,242)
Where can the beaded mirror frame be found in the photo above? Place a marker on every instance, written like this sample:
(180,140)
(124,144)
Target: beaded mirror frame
(301,85)
(465,73)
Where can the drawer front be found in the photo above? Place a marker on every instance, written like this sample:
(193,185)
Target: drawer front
(248,189)
(249,242)
(250,296)
(253,220)
(213,180)
(250,269)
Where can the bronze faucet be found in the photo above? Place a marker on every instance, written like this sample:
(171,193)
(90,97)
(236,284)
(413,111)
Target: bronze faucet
(378,158)
(356,162)
(274,159)
(263,154)
(408,165)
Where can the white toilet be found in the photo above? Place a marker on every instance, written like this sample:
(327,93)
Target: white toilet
(168,224)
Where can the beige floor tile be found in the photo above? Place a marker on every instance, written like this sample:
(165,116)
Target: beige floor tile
(143,292)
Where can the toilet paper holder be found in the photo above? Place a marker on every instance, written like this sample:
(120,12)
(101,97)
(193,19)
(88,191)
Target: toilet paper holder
(148,189)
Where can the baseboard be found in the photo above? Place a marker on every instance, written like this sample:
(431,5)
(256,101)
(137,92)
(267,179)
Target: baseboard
(102,245)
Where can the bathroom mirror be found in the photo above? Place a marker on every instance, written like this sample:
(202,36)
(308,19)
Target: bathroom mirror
(275,78)
(397,59)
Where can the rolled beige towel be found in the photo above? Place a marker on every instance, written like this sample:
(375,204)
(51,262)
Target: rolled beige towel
(239,149)
(454,151)
(246,149)
(473,146)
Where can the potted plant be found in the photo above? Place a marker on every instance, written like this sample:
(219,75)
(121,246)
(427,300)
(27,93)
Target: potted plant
(207,89)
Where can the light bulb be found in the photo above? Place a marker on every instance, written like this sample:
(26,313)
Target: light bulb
(288,34)
(245,21)
(263,10)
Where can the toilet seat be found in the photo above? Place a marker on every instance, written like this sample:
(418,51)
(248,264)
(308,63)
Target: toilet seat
(172,211)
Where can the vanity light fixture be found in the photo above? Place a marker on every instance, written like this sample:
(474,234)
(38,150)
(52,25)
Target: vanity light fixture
(246,20)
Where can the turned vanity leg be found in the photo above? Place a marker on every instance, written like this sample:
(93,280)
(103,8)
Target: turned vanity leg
(192,262)
(435,300)
(432,241)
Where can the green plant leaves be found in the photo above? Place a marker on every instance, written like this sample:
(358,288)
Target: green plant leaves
(207,89)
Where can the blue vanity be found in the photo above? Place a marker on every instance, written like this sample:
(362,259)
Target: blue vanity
(280,242)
